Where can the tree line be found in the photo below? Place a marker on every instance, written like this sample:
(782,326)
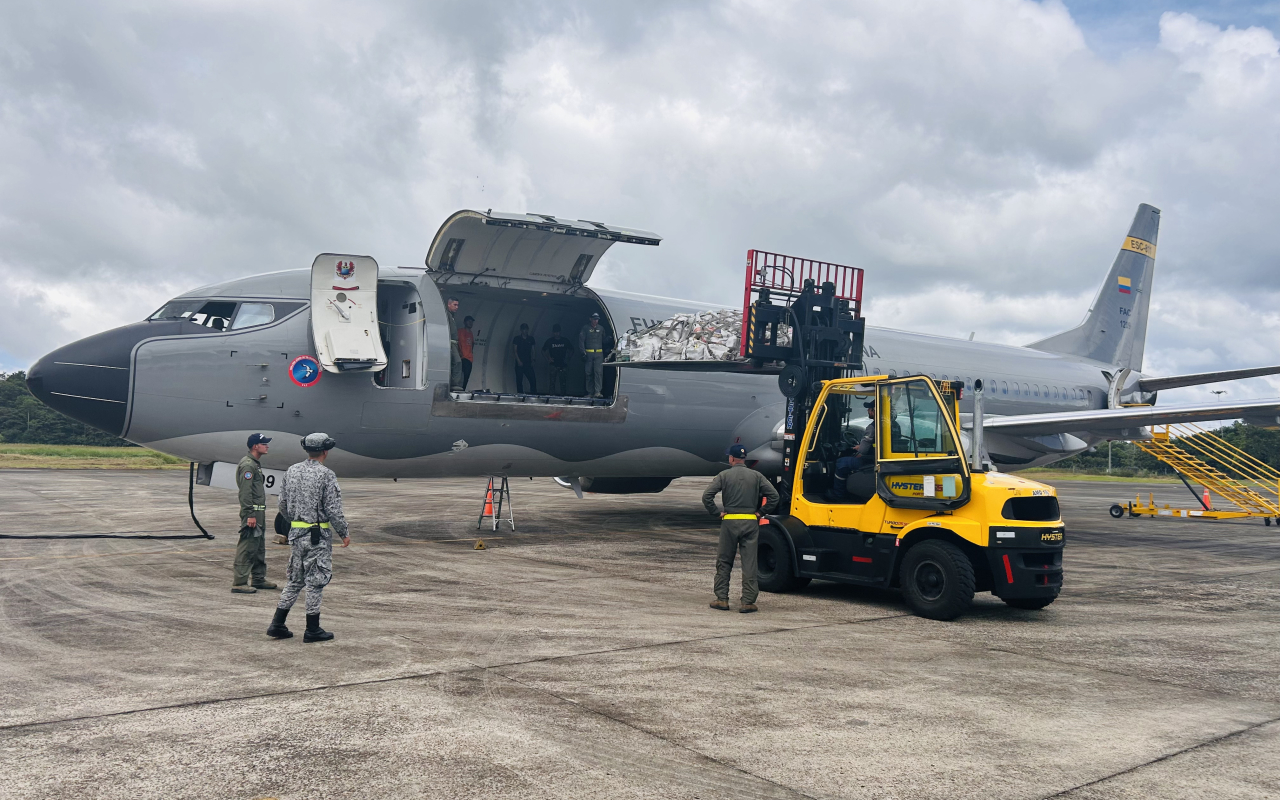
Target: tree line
(1129,460)
(25,420)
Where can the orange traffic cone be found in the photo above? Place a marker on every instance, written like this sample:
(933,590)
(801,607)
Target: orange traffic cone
(488,502)
(1208,503)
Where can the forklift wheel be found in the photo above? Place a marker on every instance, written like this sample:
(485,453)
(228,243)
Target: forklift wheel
(775,571)
(1266,521)
(1029,603)
(1117,511)
(937,580)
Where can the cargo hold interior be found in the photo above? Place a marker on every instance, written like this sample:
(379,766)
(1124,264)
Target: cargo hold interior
(498,315)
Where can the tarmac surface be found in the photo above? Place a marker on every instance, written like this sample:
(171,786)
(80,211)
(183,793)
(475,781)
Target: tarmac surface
(577,657)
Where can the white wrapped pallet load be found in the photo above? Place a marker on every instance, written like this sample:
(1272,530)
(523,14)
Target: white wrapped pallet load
(704,336)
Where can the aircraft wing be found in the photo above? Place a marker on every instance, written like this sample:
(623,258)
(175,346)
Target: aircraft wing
(1116,419)
(1201,378)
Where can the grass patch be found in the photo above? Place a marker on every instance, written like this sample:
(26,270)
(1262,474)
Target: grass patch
(1049,474)
(74,456)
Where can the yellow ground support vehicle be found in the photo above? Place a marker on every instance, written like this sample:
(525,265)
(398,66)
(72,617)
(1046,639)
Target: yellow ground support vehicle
(914,513)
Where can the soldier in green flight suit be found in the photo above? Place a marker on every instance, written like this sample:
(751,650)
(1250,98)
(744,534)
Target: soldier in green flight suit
(741,489)
(251,552)
(591,343)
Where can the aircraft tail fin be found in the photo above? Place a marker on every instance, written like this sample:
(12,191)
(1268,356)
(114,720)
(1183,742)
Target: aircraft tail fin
(1115,329)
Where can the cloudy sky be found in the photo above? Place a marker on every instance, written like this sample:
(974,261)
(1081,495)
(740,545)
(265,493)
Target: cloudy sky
(982,160)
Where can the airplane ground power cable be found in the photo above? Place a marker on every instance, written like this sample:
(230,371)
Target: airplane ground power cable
(191,504)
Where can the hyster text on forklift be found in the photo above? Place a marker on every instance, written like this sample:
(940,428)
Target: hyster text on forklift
(914,512)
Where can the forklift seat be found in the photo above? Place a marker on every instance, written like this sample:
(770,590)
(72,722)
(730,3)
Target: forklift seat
(861,485)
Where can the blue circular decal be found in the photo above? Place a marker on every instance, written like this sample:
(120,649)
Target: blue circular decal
(305,371)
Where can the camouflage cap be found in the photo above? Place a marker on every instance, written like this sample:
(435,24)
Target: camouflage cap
(317,442)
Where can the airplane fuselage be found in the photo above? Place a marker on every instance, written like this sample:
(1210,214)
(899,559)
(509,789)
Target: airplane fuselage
(197,392)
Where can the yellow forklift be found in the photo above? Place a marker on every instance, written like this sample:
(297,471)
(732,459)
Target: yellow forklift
(876,488)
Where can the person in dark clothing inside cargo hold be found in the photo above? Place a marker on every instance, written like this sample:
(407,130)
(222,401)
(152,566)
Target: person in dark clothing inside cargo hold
(523,345)
(557,349)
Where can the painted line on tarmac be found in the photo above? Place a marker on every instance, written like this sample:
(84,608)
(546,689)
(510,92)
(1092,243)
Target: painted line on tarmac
(1167,756)
(789,791)
(427,674)
(205,551)
(1104,670)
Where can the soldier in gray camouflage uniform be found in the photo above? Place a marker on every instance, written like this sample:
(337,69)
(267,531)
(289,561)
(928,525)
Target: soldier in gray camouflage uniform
(311,500)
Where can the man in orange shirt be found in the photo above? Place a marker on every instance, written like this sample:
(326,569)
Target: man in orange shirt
(466,341)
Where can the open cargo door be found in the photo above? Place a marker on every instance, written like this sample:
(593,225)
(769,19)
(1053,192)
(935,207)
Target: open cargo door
(344,313)
(523,251)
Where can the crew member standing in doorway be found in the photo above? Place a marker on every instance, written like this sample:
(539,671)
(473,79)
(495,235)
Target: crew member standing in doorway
(455,357)
(523,346)
(251,551)
(311,500)
(741,489)
(557,349)
(466,348)
(591,342)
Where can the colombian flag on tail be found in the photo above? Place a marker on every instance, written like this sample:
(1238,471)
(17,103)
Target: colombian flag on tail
(1125,286)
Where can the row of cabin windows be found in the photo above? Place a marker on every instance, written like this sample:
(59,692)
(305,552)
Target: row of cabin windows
(1015,389)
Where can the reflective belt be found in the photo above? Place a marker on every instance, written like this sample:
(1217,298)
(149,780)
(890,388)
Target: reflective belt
(594,351)
(739,516)
(259,508)
(297,524)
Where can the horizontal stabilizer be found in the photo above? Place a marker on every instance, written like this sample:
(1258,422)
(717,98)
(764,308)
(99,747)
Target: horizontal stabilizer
(1117,419)
(1201,378)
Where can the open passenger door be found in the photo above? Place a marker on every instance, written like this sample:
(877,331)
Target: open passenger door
(344,313)
(523,251)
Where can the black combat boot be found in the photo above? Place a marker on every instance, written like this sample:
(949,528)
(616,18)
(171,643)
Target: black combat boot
(314,632)
(277,630)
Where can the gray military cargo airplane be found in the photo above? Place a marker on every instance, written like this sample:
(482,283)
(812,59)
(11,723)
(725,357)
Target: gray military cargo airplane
(362,352)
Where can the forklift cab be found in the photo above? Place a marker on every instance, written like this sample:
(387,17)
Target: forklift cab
(891,439)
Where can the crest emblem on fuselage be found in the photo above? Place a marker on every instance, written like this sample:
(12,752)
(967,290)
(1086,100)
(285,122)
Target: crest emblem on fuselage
(345,269)
(305,371)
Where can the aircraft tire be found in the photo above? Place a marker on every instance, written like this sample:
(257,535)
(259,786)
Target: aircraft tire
(281,525)
(1028,603)
(1117,511)
(937,580)
(776,573)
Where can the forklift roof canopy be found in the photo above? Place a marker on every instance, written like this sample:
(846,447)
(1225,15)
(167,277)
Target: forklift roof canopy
(526,247)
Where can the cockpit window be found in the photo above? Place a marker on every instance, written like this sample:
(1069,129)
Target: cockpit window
(215,314)
(178,309)
(251,314)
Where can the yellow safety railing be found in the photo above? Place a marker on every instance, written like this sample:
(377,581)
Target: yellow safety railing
(1250,484)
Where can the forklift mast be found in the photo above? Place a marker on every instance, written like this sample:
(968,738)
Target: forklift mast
(808,315)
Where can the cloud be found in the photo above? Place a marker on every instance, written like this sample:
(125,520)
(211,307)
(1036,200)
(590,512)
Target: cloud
(980,160)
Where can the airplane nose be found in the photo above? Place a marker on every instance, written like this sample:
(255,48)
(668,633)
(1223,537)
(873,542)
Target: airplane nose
(88,380)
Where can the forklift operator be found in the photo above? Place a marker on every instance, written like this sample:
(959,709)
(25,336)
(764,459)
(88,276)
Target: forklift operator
(865,452)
